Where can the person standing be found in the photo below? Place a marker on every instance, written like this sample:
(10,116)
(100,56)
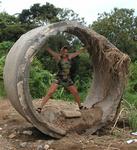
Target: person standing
(63,76)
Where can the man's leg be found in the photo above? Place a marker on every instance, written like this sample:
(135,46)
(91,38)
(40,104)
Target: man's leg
(73,90)
(50,92)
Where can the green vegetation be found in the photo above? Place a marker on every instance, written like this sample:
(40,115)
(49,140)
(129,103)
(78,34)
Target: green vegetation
(131,89)
(130,96)
(41,79)
(119,26)
(4,48)
(2,92)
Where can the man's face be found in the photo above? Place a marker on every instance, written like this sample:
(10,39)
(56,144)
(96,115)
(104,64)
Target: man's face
(64,52)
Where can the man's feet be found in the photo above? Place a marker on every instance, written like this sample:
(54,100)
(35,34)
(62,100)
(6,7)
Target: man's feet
(82,107)
(39,109)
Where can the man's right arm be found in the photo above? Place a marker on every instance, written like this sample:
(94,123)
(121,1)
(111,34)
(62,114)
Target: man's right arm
(54,54)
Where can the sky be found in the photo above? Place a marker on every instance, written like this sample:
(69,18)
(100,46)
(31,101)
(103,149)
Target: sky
(88,9)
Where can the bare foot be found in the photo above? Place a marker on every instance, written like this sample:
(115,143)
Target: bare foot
(39,110)
(82,107)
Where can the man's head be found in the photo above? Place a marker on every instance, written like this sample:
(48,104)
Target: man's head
(64,51)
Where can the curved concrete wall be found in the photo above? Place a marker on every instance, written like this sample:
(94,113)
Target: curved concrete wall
(110,71)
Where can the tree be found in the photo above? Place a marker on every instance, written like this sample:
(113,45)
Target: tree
(4,48)
(6,19)
(120,27)
(45,14)
(68,14)
(39,15)
(10,27)
(42,70)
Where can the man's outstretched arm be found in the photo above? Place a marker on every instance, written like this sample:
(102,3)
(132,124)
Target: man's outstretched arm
(54,54)
(75,54)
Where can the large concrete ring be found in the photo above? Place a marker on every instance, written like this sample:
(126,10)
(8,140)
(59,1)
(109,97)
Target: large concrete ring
(110,67)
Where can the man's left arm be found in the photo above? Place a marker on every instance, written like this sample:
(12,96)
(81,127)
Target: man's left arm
(73,55)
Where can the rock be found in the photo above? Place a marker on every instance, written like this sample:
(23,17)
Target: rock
(80,141)
(24,144)
(87,142)
(71,113)
(0,136)
(5,125)
(40,147)
(84,147)
(49,142)
(0,128)
(27,132)
(12,135)
(18,132)
(40,141)
(46,147)
(92,141)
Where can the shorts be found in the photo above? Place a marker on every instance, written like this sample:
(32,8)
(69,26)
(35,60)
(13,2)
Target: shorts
(64,82)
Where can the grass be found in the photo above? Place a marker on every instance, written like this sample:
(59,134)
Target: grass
(133,119)
(131,106)
(2,91)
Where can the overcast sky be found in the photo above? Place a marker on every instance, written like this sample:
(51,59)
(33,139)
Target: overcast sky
(88,9)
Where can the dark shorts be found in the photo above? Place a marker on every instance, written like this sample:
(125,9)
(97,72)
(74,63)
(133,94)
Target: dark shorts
(64,82)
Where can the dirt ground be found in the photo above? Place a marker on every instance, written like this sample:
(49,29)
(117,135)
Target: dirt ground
(17,134)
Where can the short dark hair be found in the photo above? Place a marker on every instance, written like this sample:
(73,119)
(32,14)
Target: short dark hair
(65,47)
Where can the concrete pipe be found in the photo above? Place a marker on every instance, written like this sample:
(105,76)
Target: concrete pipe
(110,69)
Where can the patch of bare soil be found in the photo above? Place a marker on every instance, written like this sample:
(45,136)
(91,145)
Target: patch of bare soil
(17,134)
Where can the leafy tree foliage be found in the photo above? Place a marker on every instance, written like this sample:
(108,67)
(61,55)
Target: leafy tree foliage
(131,90)
(4,48)
(40,79)
(68,14)
(120,27)
(39,15)
(45,14)
(10,28)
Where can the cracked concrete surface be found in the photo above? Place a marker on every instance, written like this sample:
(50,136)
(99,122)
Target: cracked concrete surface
(110,67)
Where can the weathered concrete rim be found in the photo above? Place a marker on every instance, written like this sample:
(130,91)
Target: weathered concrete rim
(16,73)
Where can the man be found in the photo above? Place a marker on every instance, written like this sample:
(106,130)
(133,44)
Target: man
(63,76)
